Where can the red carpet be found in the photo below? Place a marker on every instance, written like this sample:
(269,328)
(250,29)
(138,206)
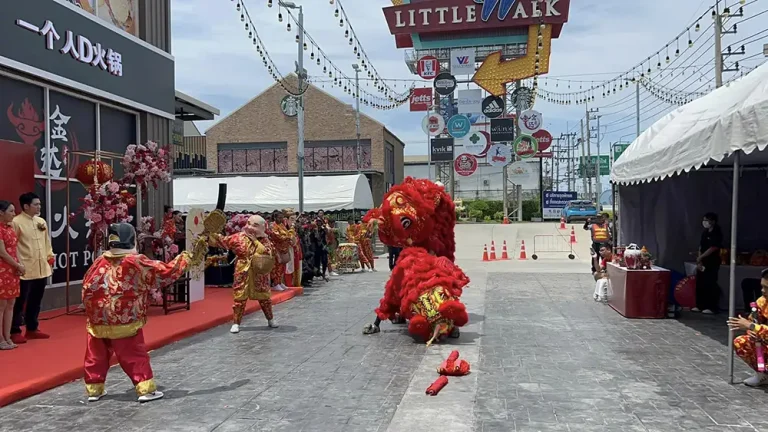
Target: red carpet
(40,365)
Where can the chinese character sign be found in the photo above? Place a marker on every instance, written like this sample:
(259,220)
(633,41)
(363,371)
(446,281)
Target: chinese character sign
(79,47)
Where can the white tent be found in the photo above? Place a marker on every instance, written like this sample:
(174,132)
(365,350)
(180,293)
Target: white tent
(266,194)
(675,168)
(711,128)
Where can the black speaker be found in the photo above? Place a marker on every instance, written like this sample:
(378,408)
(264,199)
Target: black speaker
(222,196)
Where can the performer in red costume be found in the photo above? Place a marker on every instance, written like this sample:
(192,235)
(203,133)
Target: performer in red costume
(280,236)
(425,285)
(116,298)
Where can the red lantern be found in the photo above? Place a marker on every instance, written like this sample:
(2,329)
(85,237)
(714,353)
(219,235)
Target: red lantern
(94,171)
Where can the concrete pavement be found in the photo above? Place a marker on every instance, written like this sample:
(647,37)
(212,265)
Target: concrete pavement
(544,357)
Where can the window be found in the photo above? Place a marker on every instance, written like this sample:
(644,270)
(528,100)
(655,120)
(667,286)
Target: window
(389,163)
(336,155)
(253,158)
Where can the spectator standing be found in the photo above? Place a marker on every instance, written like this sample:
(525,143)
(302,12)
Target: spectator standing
(36,255)
(10,270)
(708,266)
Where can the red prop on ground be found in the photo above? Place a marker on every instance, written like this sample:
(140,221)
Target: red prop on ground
(562,223)
(436,386)
(452,366)
(40,365)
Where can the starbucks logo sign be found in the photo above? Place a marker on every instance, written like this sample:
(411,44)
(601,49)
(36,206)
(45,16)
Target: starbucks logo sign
(290,105)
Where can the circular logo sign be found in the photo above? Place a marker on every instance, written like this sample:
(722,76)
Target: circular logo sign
(499,155)
(445,84)
(526,146)
(522,98)
(465,165)
(428,67)
(544,138)
(458,126)
(289,105)
(530,121)
(475,143)
(433,124)
(493,106)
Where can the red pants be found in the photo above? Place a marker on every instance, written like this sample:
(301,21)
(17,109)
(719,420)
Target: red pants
(745,349)
(289,279)
(132,355)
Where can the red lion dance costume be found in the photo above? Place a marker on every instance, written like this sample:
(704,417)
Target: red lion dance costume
(425,285)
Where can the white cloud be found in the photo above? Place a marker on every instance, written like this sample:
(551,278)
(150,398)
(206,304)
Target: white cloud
(217,63)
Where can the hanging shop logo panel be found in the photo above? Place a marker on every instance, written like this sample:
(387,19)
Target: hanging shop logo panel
(458,126)
(470,101)
(502,130)
(445,84)
(463,61)
(441,149)
(432,16)
(428,67)
(54,39)
(465,165)
(526,146)
(421,99)
(492,107)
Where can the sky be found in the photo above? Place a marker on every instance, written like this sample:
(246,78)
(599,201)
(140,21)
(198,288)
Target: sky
(218,64)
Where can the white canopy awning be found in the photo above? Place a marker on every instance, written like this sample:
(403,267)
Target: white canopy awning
(267,194)
(711,128)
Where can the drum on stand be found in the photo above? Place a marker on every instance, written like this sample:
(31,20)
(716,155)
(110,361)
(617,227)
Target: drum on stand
(348,257)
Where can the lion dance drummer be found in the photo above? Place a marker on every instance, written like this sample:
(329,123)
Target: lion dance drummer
(116,299)
(425,286)
(254,252)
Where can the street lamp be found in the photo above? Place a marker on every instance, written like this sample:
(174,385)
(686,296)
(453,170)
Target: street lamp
(357,114)
(301,74)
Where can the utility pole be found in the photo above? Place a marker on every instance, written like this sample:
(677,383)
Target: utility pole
(637,105)
(597,159)
(582,161)
(301,75)
(589,157)
(357,116)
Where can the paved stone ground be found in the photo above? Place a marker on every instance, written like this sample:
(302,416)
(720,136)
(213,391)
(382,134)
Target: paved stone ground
(551,359)
(544,357)
(317,372)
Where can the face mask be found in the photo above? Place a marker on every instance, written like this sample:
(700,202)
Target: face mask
(706,224)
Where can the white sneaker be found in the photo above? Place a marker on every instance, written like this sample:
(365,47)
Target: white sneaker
(760,379)
(96,398)
(235,328)
(695,309)
(707,312)
(157,394)
(278,288)
(333,273)
(272,323)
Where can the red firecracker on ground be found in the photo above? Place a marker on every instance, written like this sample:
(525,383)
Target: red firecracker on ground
(436,386)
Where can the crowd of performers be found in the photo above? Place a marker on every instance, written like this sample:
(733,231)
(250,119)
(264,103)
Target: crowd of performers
(425,286)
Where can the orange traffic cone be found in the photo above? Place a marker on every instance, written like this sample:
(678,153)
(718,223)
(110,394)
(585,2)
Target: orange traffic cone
(562,224)
(485,253)
(573,235)
(523,256)
(504,254)
(493,251)
(506,221)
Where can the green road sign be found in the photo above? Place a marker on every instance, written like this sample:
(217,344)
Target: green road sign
(618,149)
(605,166)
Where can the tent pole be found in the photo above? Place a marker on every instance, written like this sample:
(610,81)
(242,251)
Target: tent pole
(732,276)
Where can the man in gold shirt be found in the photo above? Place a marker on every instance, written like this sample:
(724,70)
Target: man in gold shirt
(36,254)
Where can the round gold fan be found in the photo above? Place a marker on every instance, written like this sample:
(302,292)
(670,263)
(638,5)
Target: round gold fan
(214,222)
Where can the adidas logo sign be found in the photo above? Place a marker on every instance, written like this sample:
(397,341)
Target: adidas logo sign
(493,107)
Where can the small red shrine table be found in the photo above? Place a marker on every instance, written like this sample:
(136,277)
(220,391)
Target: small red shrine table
(638,293)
